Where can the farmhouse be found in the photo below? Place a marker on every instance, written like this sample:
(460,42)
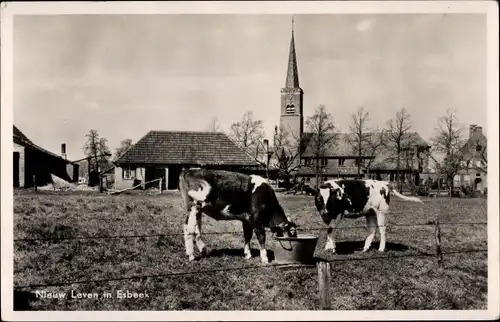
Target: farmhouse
(163,154)
(474,165)
(338,158)
(32,161)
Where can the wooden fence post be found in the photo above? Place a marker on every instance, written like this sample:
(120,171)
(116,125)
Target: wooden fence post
(437,234)
(34,183)
(324,277)
(160,185)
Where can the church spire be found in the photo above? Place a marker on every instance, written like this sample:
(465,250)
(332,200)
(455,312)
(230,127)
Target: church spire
(292,75)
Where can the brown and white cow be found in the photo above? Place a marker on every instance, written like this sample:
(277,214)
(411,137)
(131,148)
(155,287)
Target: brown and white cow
(225,195)
(337,199)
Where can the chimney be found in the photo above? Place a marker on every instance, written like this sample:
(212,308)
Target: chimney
(475,129)
(63,151)
(472,130)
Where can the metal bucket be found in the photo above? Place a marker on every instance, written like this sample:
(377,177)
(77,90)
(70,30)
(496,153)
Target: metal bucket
(298,249)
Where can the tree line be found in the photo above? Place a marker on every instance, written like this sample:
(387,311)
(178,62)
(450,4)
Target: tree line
(364,141)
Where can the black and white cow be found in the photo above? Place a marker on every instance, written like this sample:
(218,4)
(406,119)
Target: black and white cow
(225,195)
(337,199)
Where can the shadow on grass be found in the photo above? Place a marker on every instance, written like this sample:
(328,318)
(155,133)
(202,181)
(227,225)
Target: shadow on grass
(351,247)
(342,248)
(238,252)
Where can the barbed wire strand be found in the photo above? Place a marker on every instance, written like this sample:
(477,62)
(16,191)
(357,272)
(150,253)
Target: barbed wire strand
(227,232)
(289,266)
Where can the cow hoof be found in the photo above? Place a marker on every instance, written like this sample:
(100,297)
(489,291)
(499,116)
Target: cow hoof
(265,260)
(191,258)
(364,250)
(248,256)
(381,250)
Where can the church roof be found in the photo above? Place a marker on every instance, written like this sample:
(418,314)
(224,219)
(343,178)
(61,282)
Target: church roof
(292,75)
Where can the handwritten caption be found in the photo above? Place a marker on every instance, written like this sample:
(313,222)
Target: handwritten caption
(119,294)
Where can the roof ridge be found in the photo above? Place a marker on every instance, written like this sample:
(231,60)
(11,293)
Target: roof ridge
(184,131)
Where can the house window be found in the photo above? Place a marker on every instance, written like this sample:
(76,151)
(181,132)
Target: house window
(324,161)
(341,162)
(479,148)
(290,109)
(478,174)
(128,173)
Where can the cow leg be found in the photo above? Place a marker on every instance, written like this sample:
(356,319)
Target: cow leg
(261,237)
(248,233)
(371,222)
(382,227)
(190,231)
(332,229)
(202,247)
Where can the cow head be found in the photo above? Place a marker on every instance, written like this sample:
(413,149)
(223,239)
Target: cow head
(288,227)
(330,201)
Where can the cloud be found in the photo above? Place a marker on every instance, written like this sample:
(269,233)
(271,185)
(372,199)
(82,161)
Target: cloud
(365,25)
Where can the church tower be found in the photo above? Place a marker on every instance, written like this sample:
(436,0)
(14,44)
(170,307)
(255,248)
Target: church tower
(291,119)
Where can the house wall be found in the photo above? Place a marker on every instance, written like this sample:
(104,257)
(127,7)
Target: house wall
(20,149)
(120,182)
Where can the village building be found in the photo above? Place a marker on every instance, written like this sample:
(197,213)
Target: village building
(164,154)
(339,159)
(474,165)
(33,164)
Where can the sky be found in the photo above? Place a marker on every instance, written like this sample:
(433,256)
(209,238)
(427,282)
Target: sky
(125,75)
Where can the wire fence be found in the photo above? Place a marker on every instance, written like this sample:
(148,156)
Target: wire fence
(429,224)
(323,270)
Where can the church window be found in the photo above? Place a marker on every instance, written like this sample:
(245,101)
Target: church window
(290,109)
(341,162)
(479,148)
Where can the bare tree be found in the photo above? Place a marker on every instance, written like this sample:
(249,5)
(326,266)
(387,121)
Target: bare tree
(374,145)
(96,149)
(248,134)
(360,136)
(97,152)
(397,134)
(125,145)
(448,141)
(286,148)
(324,134)
(214,126)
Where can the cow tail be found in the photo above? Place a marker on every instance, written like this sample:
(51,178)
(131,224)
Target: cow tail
(184,189)
(397,194)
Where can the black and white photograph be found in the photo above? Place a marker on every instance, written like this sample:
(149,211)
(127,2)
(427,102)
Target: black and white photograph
(249,160)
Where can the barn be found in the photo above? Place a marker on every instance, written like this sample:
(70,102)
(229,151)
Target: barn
(163,154)
(33,163)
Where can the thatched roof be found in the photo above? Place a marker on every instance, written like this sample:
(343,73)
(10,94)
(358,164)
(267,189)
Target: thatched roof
(184,147)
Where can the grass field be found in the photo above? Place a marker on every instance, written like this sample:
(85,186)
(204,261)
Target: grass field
(357,284)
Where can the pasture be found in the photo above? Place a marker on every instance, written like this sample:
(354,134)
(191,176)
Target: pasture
(363,281)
